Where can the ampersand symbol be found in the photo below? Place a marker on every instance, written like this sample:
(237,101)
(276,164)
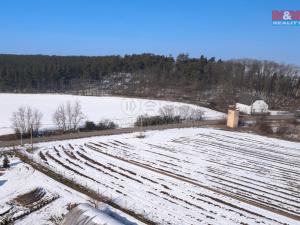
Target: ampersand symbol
(286,15)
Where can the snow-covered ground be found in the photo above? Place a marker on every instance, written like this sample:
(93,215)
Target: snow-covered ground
(280,113)
(102,215)
(22,178)
(186,176)
(122,111)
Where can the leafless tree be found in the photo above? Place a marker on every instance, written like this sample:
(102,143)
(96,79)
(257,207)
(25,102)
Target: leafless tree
(197,114)
(36,120)
(187,112)
(19,121)
(68,116)
(167,111)
(59,117)
(77,115)
(184,111)
(26,118)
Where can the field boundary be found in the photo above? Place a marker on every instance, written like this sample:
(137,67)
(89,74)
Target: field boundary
(78,135)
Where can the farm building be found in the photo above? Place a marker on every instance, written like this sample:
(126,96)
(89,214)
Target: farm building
(251,105)
(232,117)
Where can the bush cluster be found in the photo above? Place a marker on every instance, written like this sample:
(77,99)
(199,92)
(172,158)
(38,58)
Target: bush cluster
(156,120)
(102,125)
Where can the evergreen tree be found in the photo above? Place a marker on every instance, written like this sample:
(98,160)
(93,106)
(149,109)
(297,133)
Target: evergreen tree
(149,75)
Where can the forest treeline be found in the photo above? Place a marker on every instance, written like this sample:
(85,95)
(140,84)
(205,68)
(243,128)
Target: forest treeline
(149,73)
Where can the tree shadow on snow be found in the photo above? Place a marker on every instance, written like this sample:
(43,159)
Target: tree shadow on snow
(15,163)
(2,182)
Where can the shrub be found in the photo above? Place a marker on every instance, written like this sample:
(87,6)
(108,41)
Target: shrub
(102,125)
(264,127)
(156,120)
(106,124)
(50,132)
(285,129)
(196,114)
(90,125)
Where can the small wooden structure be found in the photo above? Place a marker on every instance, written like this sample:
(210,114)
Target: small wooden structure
(233,117)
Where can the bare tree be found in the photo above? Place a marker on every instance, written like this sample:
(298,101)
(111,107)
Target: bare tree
(36,120)
(184,112)
(18,120)
(167,111)
(59,117)
(190,113)
(68,116)
(197,114)
(26,118)
(77,115)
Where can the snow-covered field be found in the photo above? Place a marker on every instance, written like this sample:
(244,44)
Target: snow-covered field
(187,176)
(22,178)
(122,111)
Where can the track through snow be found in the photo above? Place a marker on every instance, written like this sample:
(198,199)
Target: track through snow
(187,176)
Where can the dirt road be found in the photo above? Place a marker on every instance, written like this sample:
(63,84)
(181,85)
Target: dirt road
(78,135)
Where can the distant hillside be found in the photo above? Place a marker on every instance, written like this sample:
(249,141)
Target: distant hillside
(271,67)
(201,80)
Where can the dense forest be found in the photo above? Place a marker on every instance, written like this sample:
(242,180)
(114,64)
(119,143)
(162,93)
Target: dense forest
(195,79)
